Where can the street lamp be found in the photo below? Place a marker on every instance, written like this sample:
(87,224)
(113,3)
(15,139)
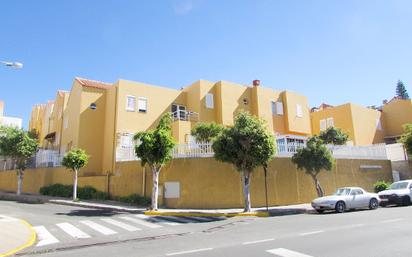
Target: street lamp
(16,65)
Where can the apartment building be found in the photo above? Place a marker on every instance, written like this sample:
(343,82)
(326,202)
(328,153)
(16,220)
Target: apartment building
(9,121)
(102,117)
(396,113)
(362,124)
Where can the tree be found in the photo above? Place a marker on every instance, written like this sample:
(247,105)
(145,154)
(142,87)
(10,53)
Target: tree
(18,145)
(155,148)
(206,132)
(334,136)
(406,138)
(401,90)
(312,159)
(247,145)
(74,160)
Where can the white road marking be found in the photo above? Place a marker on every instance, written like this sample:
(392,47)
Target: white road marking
(121,224)
(72,230)
(142,216)
(141,222)
(282,252)
(99,228)
(191,251)
(4,218)
(390,221)
(258,241)
(311,233)
(44,236)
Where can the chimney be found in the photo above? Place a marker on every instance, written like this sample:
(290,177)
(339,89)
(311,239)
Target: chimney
(256,83)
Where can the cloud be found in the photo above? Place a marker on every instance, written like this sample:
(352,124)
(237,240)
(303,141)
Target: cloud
(182,7)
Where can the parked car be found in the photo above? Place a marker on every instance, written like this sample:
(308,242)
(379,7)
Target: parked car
(346,198)
(399,193)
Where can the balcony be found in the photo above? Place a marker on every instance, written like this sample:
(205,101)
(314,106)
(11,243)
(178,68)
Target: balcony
(184,115)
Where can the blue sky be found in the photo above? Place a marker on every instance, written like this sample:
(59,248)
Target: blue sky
(330,51)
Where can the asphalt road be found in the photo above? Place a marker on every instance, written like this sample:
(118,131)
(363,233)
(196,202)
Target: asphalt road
(382,232)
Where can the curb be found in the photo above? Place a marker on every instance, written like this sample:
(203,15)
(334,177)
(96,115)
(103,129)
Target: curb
(29,243)
(201,214)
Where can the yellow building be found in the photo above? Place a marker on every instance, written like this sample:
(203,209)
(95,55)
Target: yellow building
(362,124)
(102,117)
(396,113)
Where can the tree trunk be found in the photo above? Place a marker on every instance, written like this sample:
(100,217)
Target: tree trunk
(20,174)
(75,185)
(246,176)
(319,189)
(155,190)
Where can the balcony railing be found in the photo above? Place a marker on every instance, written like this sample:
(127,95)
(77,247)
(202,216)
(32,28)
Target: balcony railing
(185,116)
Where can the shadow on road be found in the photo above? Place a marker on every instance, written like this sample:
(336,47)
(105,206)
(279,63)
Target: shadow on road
(89,213)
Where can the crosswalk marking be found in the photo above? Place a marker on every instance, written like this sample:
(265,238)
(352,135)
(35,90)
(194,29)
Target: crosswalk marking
(121,224)
(282,252)
(44,236)
(141,222)
(72,230)
(99,228)
(142,216)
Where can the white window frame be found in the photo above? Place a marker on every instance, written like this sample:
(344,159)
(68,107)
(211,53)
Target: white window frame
(299,111)
(330,122)
(128,107)
(142,100)
(322,125)
(209,101)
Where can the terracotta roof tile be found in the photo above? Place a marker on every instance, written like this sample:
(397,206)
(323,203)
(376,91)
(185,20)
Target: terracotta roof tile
(93,83)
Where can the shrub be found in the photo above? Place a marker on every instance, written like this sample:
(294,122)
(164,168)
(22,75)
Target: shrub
(99,195)
(135,199)
(84,193)
(380,186)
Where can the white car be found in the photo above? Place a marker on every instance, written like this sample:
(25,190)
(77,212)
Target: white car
(346,198)
(399,193)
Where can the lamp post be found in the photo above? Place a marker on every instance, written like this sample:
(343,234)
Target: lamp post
(16,65)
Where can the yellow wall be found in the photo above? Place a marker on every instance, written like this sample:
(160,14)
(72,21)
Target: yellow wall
(396,113)
(359,122)
(295,124)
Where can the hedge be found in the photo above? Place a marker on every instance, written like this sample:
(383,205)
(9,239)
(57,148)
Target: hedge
(84,193)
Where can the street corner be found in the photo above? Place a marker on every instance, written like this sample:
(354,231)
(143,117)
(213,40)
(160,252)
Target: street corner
(207,214)
(15,235)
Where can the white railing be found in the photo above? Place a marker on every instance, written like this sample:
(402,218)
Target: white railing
(11,122)
(194,150)
(396,152)
(287,149)
(48,158)
(372,152)
(185,115)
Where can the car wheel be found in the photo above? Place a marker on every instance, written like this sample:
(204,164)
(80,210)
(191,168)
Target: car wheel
(406,201)
(340,207)
(320,211)
(373,204)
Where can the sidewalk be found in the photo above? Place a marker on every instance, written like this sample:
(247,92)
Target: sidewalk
(117,206)
(15,235)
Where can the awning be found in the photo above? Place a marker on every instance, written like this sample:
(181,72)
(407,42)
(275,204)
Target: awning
(50,136)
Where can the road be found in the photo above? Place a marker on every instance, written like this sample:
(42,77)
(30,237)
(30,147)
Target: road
(382,232)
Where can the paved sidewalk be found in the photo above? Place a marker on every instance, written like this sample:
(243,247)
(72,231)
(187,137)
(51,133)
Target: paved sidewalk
(15,235)
(117,206)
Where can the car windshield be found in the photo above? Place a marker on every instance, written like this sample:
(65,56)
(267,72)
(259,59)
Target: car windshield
(342,191)
(399,185)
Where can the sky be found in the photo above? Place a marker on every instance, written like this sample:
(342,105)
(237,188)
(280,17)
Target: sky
(331,51)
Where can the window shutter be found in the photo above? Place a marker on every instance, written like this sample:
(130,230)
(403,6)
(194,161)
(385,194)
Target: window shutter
(130,103)
(142,104)
(273,108)
(209,101)
(330,122)
(299,110)
(322,125)
(279,108)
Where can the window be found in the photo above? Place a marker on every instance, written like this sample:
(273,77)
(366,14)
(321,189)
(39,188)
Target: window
(142,104)
(209,101)
(299,111)
(378,124)
(277,108)
(322,125)
(130,103)
(329,122)
(65,122)
(125,141)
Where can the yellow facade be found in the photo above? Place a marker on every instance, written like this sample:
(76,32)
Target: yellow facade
(363,125)
(396,113)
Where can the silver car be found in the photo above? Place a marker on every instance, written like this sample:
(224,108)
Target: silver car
(346,198)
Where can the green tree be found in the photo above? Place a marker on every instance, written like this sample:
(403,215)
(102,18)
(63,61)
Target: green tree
(155,148)
(312,159)
(334,136)
(247,145)
(406,138)
(206,132)
(74,160)
(401,90)
(19,146)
